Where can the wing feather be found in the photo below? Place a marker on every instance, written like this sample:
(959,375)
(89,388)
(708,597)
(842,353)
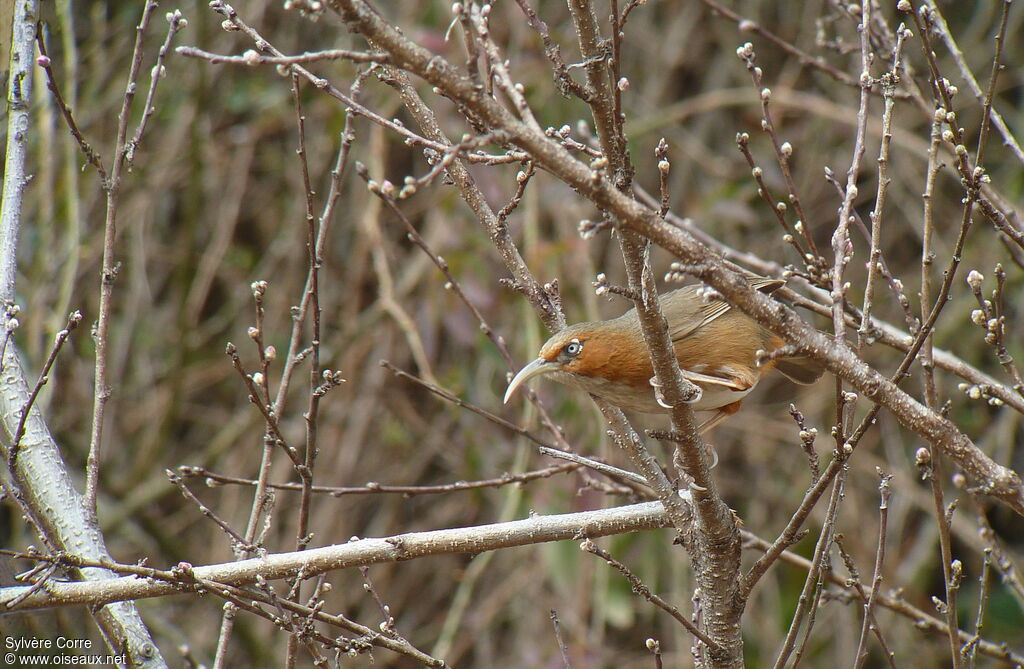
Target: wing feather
(688,310)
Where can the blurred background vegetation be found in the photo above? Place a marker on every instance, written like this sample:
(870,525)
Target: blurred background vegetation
(215,202)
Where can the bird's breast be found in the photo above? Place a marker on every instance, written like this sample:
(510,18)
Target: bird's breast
(641,398)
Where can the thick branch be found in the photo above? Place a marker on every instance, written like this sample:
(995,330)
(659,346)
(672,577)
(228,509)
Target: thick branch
(315,561)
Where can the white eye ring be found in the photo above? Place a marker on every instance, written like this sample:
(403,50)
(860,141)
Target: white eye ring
(574,347)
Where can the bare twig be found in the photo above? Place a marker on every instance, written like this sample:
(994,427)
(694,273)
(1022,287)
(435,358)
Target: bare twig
(44,375)
(885,493)
(889,82)
(970,649)
(123,154)
(373,488)
(602,467)
(239,544)
(253,58)
(783,154)
(65,110)
(807,436)
(257,397)
(558,638)
(645,592)
(746,25)
(990,315)
(811,593)
(567,86)
(791,236)
(985,99)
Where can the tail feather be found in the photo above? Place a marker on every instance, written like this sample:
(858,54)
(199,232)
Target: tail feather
(804,371)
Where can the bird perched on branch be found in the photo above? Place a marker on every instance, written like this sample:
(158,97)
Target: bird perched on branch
(716,346)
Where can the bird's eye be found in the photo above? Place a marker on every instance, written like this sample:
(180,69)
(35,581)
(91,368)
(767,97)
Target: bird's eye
(574,347)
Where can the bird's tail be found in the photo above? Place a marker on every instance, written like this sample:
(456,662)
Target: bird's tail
(799,369)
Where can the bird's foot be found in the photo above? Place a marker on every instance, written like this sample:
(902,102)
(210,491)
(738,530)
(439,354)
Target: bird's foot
(659,396)
(686,482)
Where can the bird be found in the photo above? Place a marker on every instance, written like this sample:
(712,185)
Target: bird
(716,345)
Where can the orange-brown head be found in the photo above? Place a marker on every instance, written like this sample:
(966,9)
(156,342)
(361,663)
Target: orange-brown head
(606,358)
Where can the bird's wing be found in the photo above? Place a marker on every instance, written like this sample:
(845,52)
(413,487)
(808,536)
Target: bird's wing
(713,309)
(684,310)
(714,306)
(730,383)
(691,308)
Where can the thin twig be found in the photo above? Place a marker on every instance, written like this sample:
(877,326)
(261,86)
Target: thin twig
(51,83)
(889,81)
(811,592)
(783,154)
(110,266)
(567,86)
(970,649)
(597,466)
(296,351)
(253,58)
(175,22)
(791,236)
(239,544)
(44,375)
(984,98)
(234,22)
(746,25)
(990,316)
(256,396)
(558,639)
(807,436)
(373,488)
(885,493)
(305,471)
(645,592)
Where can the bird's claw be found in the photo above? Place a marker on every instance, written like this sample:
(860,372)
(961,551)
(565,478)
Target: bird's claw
(659,397)
(714,455)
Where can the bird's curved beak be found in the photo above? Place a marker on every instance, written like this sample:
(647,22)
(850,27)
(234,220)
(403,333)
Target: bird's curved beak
(535,368)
